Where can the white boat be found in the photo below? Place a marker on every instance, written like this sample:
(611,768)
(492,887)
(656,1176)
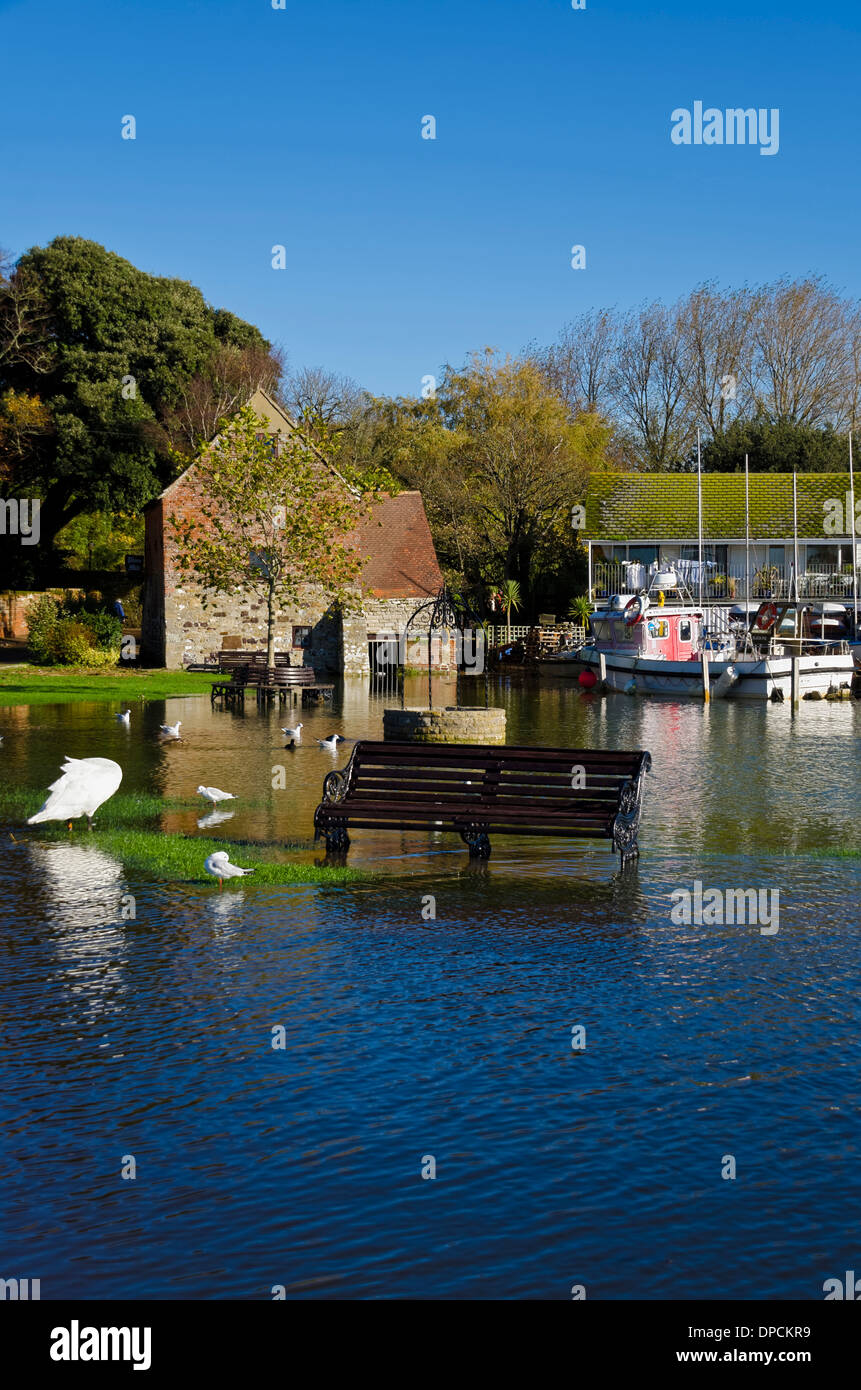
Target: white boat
(643,647)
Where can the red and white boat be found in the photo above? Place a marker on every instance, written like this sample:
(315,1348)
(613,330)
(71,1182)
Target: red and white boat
(641,644)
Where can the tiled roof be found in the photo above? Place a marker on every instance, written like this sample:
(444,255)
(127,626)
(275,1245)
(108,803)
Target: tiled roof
(396,537)
(663,506)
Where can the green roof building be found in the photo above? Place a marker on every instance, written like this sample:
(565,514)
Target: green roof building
(651,519)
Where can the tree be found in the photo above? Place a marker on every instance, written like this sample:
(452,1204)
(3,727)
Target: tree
(649,383)
(510,602)
(108,351)
(782,447)
(321,402)
(579,364)
(274,517)
(716,332)
(802,362)
(522,462)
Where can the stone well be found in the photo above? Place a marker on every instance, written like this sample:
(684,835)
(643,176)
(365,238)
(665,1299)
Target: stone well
(452,724)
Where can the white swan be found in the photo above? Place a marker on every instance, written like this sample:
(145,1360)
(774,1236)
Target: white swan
(214,795)
(171,730)
(84,785)
(220,867)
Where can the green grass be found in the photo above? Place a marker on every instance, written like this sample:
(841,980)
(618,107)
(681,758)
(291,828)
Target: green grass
(127,828)
(43,685)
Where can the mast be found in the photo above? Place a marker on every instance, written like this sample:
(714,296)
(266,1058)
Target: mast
(795,527)
(854,555)
(700,516)
(746,541)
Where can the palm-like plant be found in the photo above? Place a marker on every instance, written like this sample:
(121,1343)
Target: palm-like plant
(510,601)
(581,609)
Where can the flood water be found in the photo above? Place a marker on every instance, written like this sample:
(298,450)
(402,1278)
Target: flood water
(406,1040)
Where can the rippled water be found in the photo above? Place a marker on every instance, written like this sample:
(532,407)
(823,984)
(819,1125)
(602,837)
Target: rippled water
(405,1038)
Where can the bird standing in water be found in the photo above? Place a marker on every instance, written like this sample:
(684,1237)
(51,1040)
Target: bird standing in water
(220,867)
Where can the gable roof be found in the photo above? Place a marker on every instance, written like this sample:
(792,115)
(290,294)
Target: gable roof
(281,422)
(397,539)
(663,506)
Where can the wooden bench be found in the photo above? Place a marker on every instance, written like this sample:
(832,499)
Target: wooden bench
(280,682)
(476,789)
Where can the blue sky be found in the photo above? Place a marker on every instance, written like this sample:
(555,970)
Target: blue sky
(302,127)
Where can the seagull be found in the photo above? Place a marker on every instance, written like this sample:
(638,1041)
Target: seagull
(220,867)
(84,785)
(331,743)
(171,730)
(214,795)
(125,718)
(293,733)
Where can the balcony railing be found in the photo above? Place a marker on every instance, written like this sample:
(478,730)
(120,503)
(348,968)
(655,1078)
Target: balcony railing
(727,584)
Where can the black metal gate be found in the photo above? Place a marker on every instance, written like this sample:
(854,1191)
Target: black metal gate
(384,662)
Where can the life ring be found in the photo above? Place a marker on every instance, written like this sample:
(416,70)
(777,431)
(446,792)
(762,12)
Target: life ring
(768,617)
(634,610)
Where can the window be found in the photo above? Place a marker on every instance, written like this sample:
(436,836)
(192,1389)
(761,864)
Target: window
(645,554)
(685,631)
(659,627)
(301,636)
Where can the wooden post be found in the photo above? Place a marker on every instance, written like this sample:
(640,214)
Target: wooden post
(706,691)
(796,681)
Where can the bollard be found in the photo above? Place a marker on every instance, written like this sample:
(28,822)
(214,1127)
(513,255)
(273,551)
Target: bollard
(796,681)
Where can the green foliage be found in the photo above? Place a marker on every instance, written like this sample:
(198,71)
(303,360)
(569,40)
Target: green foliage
(580,609)
(42,620)
(71,633)
(782,447)
(101,540)
(499,462)
(103,321)
(274,517)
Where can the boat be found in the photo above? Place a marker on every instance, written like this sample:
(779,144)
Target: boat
(640,644)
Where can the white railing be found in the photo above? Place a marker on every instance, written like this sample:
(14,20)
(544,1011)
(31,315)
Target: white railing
(726,584)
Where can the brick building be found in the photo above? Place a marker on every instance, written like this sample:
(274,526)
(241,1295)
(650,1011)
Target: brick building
(400,572)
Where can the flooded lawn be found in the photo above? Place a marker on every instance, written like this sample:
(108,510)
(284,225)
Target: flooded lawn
(282,1063)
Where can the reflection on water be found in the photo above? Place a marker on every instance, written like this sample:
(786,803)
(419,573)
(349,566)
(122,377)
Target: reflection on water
(214,818)
(451,1035)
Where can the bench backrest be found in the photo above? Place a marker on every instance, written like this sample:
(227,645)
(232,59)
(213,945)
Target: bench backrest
(505,775)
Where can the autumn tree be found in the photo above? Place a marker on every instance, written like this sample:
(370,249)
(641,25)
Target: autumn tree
(274,517)
(500,465)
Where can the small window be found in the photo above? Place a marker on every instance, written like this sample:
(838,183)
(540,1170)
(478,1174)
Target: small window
(685,631)
(659,627)
(301,636)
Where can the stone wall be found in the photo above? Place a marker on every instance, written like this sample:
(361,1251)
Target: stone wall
(448,725)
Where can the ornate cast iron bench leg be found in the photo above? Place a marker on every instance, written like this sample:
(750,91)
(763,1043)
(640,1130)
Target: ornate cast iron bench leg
(337,839)
(477,838)
(627,822)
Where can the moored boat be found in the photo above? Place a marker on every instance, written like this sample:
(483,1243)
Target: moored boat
(639,646)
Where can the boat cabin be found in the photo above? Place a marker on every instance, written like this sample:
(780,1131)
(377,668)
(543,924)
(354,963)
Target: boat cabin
(633,626)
